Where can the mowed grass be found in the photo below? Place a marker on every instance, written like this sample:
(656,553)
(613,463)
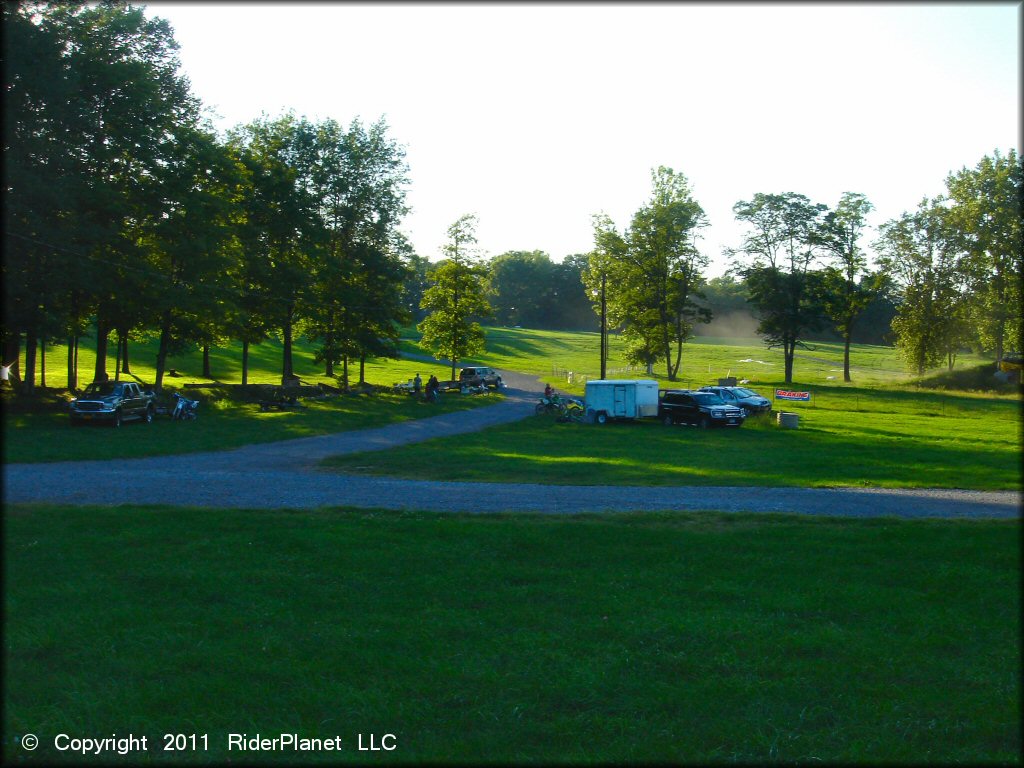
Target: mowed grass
(618,638)
(847,437)
(221,424)
(552,354)
(34,435)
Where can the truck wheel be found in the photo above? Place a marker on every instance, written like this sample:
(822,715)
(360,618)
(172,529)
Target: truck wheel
(602,417)
(117,419)
(667,420)
(703,423)
(148,416)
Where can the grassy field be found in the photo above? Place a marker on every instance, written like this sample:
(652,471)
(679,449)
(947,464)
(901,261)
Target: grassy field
(847,437)
(34,434)
(222,424)
(621,638)
(551,354)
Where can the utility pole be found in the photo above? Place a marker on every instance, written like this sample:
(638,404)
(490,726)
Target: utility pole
(604,326)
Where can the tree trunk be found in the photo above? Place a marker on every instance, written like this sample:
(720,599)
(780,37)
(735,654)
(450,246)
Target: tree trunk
(206,362)
(344,372)
(362,369)
(42,363)
(286,362)
(12,356)
(245,362)
(117,358)
(789,351)
(29,384)
(329,368)
(846,352)
(72,343)
(124,354)
(161,353)
(102,332)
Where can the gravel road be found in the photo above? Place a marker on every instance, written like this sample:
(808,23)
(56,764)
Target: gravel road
(284,475)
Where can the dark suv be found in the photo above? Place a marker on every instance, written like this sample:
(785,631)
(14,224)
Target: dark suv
(478,376)
(747,399)
(704,409)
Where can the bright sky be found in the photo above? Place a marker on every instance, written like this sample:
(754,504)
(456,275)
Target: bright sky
(536,116)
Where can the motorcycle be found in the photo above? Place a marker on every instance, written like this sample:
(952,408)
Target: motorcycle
(184,409)
(553,404)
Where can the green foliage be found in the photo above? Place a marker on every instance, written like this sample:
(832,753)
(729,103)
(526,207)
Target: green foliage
(986,208)
(785,233)
(456,298)
(916,252)
(652,274)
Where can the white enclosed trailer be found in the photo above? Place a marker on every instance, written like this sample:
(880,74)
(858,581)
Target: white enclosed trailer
(606,399)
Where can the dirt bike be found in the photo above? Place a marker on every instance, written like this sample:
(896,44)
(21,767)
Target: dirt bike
(184,409)
(553,404)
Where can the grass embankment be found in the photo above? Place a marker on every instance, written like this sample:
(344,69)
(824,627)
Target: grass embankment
(847,437)
(620,638)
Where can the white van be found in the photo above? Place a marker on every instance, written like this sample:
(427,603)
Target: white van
(606,399)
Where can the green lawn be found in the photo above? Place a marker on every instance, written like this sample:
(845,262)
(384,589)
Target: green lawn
(222,424)
(847,437)
(619,638)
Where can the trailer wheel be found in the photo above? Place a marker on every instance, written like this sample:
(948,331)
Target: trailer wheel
(601,418)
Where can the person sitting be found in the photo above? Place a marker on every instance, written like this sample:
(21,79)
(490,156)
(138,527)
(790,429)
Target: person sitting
(548,391)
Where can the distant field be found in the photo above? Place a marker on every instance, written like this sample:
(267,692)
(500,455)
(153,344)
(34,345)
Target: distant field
(551,354)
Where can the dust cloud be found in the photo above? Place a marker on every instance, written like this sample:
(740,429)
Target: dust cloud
(730,325)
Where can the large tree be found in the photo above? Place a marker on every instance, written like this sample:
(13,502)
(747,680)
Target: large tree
(520,284)
(985,214)
(284,228)
(95,121)
(653,273)
(782,246)
(456,299)
(917,252)
(848,288)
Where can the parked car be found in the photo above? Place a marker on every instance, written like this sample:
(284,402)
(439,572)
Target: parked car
(113,401)
(479,376)
(747,399)
(704,409)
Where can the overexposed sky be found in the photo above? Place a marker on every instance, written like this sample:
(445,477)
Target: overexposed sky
(535,116)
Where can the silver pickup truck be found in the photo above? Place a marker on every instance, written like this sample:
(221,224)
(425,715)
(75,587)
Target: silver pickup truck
(113,401)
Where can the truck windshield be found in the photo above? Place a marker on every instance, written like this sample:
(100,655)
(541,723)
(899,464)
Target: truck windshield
(103,389)
(708,398)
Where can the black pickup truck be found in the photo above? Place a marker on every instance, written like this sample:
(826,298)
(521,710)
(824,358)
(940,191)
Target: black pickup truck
(113,401)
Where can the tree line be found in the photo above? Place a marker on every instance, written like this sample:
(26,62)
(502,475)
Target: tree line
(951,270)
(126,213)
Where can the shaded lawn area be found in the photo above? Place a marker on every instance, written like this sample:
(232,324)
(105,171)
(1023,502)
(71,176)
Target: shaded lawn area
(895,440)
(222,424)
(655,637)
